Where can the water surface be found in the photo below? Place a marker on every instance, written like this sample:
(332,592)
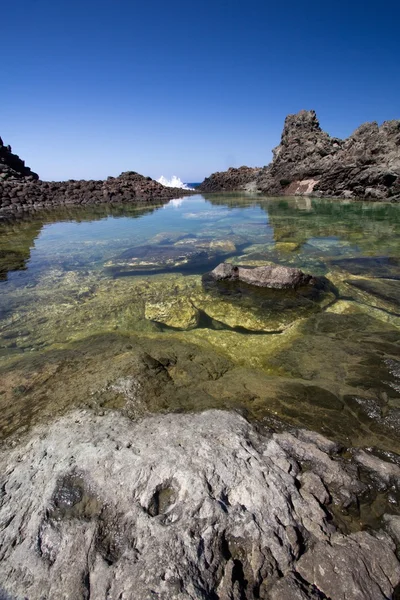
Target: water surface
(106,307)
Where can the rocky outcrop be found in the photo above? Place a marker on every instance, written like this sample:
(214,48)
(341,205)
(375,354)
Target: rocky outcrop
(21,191)
(181,507)
(12,167)
(19,196)
(275,276)
(230,180)
(310,162)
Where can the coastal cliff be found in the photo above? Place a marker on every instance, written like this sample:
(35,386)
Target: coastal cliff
(21,190)
(308,161)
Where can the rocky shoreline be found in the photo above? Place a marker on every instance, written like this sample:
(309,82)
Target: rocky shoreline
(310,162)
(22,192)
(194,506)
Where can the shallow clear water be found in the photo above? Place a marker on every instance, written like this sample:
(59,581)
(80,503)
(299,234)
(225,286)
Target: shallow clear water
(87,295)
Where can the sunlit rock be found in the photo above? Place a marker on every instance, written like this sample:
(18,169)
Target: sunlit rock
(186,507)
(275,277)
(180,313)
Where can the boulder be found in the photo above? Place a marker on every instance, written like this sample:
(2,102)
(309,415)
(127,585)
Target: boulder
(275,277)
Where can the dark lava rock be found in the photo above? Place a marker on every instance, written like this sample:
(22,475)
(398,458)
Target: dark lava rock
(230,180)
(276,277)
(27,195)
(12,167)
(21,191)
(310,162)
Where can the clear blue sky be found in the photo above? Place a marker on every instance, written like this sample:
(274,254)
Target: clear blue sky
(92,88)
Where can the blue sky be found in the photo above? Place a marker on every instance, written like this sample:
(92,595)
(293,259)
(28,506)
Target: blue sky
(90,89)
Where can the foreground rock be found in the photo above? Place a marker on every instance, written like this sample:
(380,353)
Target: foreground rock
(274,277)
(185,507)
(310,162)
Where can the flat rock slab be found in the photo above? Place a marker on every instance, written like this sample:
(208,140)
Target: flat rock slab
(157,258)
(180,507)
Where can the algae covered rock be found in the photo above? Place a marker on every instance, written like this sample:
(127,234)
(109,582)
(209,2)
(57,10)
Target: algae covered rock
(157,258)
(178,313)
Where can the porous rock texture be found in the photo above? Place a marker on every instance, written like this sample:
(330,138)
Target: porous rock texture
(179,507)
(21,191)
(310,162)
(275,276)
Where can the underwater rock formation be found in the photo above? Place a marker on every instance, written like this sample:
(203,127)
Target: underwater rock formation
(188,507)
(310,162)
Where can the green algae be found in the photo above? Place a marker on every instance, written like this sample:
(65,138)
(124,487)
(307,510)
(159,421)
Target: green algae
(73,335)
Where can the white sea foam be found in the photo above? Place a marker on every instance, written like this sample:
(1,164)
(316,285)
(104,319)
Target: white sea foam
(173,182)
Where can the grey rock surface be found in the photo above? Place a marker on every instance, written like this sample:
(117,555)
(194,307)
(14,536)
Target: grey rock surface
(195,506)
(276,276)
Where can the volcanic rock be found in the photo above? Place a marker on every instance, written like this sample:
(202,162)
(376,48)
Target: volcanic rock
(310,162)
(21,191)
(25,195)
(230,180)
(12,167)
(276,277)
(183,507)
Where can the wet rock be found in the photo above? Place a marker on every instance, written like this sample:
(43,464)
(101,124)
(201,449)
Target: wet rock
(182,507)
(157,258)
(180,314)
(377,266)
(385,290)
(277,277)
(215,246)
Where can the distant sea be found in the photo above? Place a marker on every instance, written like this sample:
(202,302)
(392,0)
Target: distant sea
(192,185)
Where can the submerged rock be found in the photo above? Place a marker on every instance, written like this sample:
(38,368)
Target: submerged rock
(183,507)
(177,313)
(276,277)
(185,254)
(157,258)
